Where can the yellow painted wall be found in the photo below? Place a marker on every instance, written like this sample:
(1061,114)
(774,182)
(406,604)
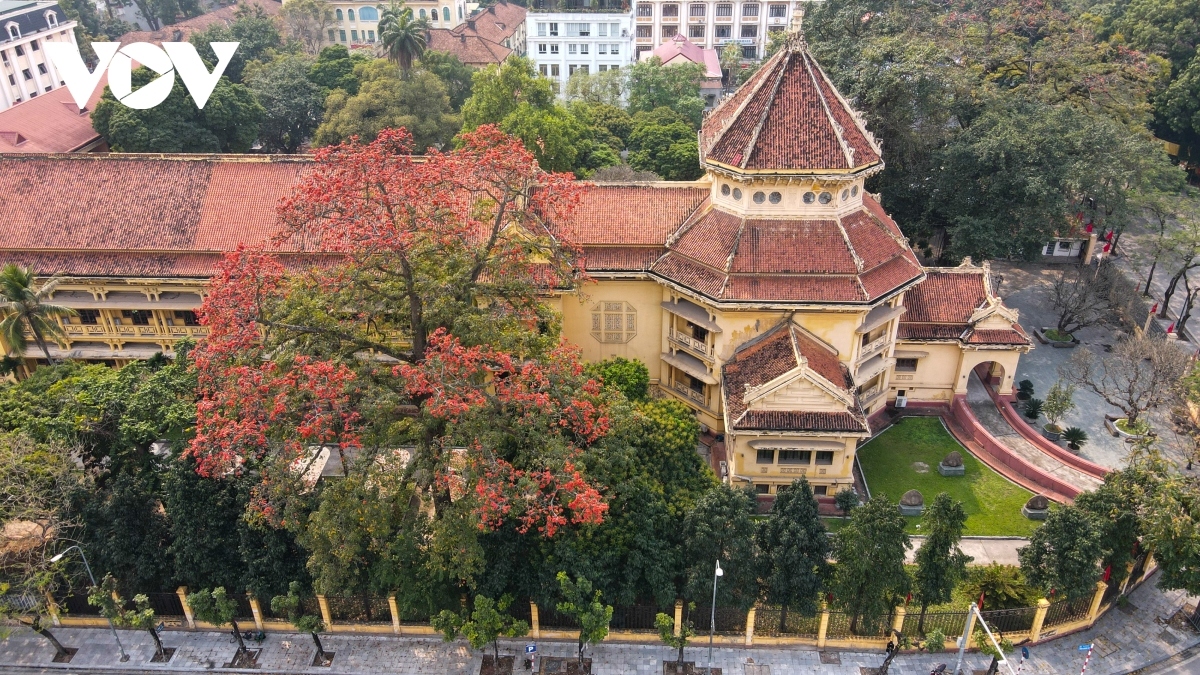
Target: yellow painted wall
(746,466)
(935,376)
(646,346)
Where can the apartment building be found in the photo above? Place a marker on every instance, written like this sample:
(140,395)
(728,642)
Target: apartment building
(568,36)
(26,71)
(711,23)
(357,23)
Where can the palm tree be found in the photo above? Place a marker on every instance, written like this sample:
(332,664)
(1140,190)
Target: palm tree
(24,307)
(402,39)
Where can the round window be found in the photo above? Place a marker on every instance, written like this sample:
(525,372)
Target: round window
(737,194)
(825,198)
(845,195)
(775,197)
(809,197)
(759,197)
(854,191)
(725,190)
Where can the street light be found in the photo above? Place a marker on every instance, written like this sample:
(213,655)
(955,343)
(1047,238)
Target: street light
(712,619)
(86,566)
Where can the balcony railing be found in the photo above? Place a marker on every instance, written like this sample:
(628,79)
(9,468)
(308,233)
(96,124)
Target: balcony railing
(869,396)
(872,347)
(687,392)
(699,347)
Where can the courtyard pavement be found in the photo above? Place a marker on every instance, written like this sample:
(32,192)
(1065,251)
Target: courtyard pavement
(984,550)
(1134,637)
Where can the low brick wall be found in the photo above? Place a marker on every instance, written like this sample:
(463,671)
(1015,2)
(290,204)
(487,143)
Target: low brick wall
(1021,426)
(999,457)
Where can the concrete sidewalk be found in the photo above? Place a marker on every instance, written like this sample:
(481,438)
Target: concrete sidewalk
(1126,639)
(984,550)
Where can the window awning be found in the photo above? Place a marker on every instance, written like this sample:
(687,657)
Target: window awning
(690,365)
(795,444)
(873,366)
(692,312)
(904,354)
(130,351)
(879,316)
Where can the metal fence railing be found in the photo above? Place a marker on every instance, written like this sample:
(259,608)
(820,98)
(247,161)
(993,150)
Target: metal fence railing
(730,620)
(950,623)
(1066,611)
(1010,620)
(636,617)
(773,622)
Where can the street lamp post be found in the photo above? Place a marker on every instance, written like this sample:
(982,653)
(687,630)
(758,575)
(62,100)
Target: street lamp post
(86,566)
(712,619)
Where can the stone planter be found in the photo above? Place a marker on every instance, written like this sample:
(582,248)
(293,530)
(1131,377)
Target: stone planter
(1116,430)
(1037,508)
(1052,432)
(1059,344)
(951,470)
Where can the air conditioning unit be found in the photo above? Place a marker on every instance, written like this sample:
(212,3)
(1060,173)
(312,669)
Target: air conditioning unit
(901,401)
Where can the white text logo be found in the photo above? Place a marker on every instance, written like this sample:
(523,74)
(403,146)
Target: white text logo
(179,57)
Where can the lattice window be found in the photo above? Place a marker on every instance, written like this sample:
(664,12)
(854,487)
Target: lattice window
(614,322)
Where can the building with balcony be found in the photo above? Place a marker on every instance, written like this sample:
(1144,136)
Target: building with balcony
(775,298)
(25,69)
(568,36)
(357,23)
(711,23)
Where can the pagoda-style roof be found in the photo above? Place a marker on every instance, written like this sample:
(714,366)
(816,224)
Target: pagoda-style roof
(788,119)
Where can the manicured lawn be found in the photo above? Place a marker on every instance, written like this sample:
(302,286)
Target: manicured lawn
(890,464)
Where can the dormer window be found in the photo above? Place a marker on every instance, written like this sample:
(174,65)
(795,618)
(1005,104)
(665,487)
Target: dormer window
(52,19)
(14,31)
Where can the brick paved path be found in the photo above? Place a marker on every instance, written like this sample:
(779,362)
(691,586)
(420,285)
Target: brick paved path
(1125,640)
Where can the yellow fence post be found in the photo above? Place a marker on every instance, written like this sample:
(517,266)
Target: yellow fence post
(678,616)
(52,609)
(898,621)
(750,626)
(535,627)
(326,615)
(395,610)
(1101,587)
(256,610)
(1039,618)
(824,628)
(187,609)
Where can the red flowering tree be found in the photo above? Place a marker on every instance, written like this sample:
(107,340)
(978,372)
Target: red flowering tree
(424,329)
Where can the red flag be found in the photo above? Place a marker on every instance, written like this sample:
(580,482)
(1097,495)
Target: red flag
(1107,573)
(1154,309)
(1171,328)
(1109,236)
(1089,228)
(981,601)
(1107,248)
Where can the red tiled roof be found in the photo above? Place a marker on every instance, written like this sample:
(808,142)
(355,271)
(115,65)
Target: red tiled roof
(1016,336)
(788,118)
(771,355)
(729,257)
(135,212)
(630,214)
(497,23)
(620,258)
(49,123)
(930,331)
(470,49)
(101,263)
(941,307)
(181,31)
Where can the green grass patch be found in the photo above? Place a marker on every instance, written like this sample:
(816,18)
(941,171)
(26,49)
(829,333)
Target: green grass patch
(890,462)
(1057,336)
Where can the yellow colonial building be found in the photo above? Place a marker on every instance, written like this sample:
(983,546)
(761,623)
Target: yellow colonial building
(774,297)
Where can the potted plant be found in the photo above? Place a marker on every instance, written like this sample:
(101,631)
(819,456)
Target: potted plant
(1075,437)
(1025,390)
(1135,430)
(1033,408)
(1059,402)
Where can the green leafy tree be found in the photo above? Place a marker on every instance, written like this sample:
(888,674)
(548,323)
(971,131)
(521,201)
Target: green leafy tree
(1173,533)
(630,376)
(292,103)
(1059,402)
(1003,586)
(255,31)
(106,597)
(24,307)
(484,625)
(292,607)
(869,575)
(1178,109)
(721,528)
(1120,507)
(941,564)
(306,21)
(846,500)
(603,88)
(677,86)
(498,90)
(205,512)
(583,605)
(402,38)
(334,69)
(793,551)
(228,123)
(663,142)
(455,74)
(386,100)
(551,133)
(666,632)
(217,608)
(126,530)
(1064,553)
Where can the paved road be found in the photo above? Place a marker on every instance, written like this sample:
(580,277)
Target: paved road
(987,414)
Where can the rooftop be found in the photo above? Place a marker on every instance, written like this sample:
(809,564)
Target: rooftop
(49,123)
(679,49)
(181,31)
(956,304)
(788,118)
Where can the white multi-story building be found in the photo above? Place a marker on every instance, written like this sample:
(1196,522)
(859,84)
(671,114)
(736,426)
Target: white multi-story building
(566,36)
(25,70)
(711,23)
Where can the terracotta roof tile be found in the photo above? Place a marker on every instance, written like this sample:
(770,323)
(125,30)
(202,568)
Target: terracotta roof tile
(710,239)
(496,24)
(892,274)
(930,331)
(816,288)
(630,214)
(472,50)
(945,297)
(620,258)
(822,359)
(793,246)
(998,337)
(49,123)
(129,264)
(181,31)
(690,274)
(791,120)
(787,420)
